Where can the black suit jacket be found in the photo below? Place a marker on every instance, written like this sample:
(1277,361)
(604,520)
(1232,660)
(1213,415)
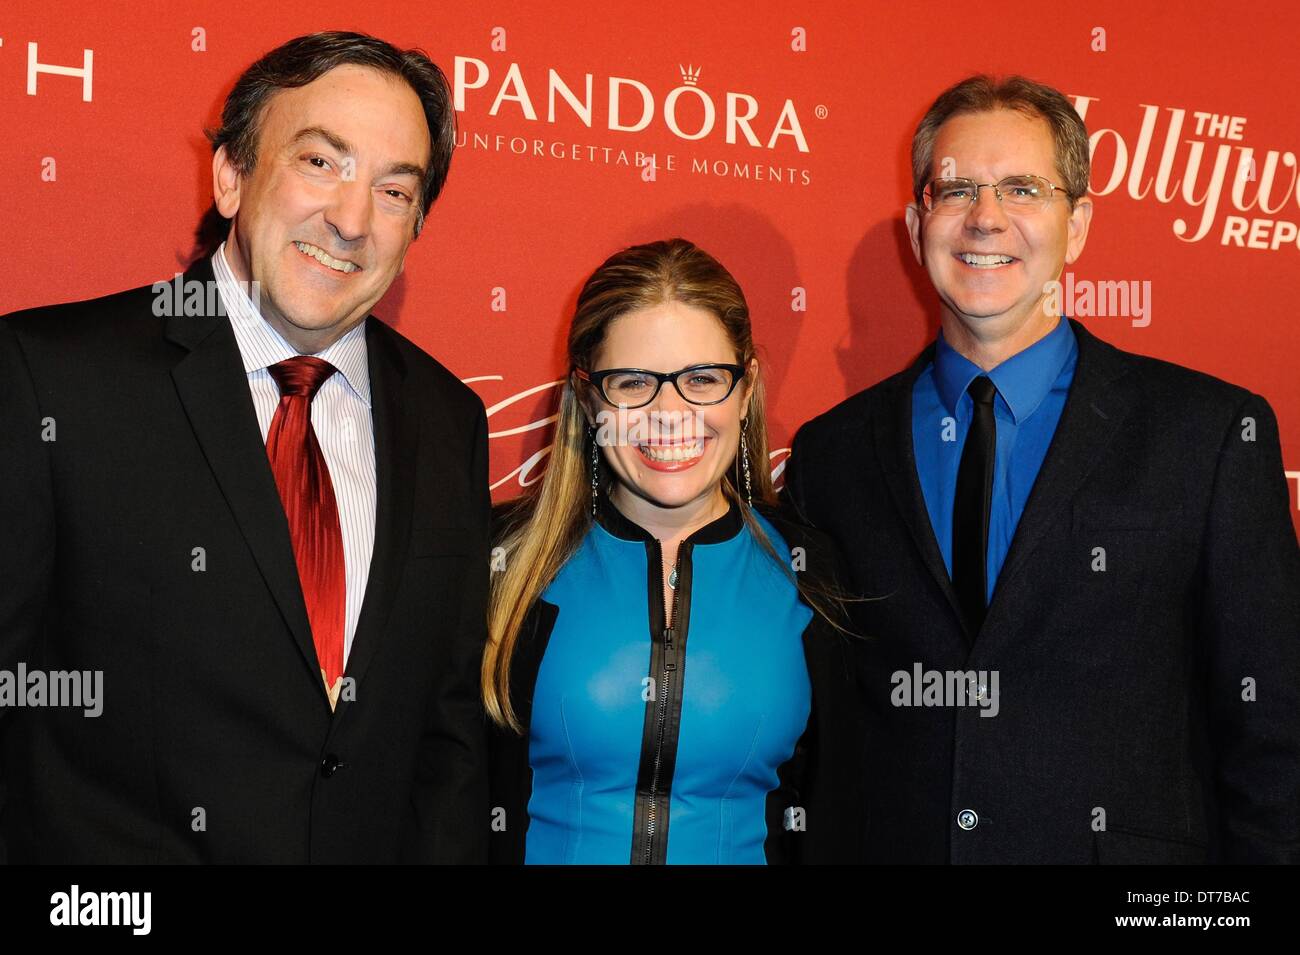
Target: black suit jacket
(1122,733)
(216,741)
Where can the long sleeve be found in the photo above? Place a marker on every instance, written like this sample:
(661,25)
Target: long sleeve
(1251,637)
(450,791)
(27,519)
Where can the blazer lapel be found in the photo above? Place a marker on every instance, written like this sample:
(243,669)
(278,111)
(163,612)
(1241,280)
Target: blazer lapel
(396,435)
(213,389)
(897,457)
(1101,397)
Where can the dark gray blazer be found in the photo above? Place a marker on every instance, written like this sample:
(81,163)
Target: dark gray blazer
(1121,734)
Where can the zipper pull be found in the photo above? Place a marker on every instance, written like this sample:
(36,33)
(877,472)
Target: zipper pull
(670,650)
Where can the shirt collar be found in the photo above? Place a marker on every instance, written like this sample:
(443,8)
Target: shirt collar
(1023,380)
(261,346)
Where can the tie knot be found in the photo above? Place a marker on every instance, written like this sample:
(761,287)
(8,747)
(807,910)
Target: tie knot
(302,375)
(982,390)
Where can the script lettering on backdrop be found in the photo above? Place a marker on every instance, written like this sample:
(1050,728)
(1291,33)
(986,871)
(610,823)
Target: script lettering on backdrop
(1256,185)
(529,470)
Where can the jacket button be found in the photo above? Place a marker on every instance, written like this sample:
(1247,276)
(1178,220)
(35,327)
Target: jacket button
(967,819)
(329,765)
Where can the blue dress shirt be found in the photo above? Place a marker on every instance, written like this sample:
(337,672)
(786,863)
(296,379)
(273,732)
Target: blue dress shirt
(1032,388)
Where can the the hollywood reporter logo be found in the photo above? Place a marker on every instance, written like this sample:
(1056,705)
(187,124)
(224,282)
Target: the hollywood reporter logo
(1200,159)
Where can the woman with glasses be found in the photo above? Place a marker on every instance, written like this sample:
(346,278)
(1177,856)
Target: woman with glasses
(666,669)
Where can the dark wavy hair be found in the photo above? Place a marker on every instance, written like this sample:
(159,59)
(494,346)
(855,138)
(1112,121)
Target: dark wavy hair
(307,58)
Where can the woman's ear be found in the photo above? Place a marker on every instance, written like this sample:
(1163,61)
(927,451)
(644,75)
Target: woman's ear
(751,377)
(580,396)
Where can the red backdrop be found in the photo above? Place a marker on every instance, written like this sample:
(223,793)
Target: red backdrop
(105,173)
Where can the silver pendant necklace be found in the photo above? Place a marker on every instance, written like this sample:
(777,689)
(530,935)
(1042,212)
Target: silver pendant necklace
(672,575)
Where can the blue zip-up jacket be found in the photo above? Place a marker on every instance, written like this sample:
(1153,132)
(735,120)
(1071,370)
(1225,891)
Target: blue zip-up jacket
(732,736)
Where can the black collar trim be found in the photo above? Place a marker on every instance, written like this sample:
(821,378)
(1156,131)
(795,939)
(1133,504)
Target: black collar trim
(617,523)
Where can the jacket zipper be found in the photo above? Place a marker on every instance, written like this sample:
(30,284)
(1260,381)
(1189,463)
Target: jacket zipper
(670,666)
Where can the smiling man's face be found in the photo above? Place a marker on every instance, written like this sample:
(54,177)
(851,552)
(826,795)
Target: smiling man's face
(990,266)
(323,221)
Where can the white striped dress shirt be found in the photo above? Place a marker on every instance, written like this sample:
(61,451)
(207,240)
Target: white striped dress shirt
(340,416)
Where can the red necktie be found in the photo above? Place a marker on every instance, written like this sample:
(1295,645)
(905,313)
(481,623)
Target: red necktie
(308,496)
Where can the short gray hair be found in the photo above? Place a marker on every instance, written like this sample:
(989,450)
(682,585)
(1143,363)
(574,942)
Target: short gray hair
(981,94)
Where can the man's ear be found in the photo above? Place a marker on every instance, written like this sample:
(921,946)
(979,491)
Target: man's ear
(1077,229)
(913,216)
(226,182)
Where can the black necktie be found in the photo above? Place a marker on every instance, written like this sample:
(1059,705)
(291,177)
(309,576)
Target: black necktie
(970,511)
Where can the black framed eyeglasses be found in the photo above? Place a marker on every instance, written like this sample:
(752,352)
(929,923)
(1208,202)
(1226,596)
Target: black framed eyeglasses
(637,387)
(1018,194)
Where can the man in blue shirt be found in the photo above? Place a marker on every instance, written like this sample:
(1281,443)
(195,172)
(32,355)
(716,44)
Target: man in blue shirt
(1085,638)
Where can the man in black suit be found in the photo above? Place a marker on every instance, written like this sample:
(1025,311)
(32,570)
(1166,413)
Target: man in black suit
(1086,646)
(255,513)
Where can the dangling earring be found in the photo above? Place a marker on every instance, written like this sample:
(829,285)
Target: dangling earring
(744,456)
(595,461)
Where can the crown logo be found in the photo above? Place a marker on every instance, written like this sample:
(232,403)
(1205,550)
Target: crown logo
(690,74)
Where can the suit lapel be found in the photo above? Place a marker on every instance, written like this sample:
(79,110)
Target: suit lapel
(396,434)
(1100,398)
(213,389)
(894,450)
